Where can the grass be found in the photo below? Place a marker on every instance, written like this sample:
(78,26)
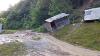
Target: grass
(40,29)
(88,35)
(12,49)
(62,32)
(8,31)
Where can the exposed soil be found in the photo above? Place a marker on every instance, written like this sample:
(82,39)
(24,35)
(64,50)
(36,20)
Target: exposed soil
(42,44)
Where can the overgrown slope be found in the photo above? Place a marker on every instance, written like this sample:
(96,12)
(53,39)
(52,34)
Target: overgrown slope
(87,35)
(31,13)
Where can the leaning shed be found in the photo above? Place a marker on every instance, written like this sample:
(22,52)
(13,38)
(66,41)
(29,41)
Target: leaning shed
(57,22)
(92,14)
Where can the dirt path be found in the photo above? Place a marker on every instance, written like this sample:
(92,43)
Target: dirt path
(41,44)
(74,49)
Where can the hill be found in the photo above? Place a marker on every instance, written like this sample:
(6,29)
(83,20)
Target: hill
(29,14)
(32,13)
(87,35)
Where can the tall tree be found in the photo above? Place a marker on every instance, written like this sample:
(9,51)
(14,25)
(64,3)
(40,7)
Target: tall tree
(40,12)
(59,6)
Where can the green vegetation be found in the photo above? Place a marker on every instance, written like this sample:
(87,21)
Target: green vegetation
(30,14)
(88,35)
(12,49)
(96,4)
(40,29)
(62,32)
(8,31)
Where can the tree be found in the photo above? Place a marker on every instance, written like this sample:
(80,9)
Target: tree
(40,12)
(60,6)
(33,13)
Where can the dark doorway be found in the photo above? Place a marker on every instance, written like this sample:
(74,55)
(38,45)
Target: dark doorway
(53,25)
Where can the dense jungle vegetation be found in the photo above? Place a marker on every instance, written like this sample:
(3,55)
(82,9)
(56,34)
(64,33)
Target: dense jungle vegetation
(30,14)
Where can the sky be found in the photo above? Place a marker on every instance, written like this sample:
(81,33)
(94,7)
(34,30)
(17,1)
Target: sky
(5,4)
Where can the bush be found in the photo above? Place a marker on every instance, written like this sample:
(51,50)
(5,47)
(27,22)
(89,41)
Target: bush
(40,29)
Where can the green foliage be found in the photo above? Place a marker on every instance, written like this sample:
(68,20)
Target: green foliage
(19,16)
(9,31)
(96,4)
(30,14)
(62,32)
(40,12)
(40,29)
(77,3)
(60,6)
(3,21)
(76,16)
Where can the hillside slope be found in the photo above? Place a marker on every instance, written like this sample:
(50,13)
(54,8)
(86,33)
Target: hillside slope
(87,35)
(30,14)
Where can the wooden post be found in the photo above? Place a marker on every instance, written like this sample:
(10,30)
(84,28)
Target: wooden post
(1,28)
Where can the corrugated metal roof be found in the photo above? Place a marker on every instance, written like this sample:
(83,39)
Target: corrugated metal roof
(92,14)
(56,17)
(93,9)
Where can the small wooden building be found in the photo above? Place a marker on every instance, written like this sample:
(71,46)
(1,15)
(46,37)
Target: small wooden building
(57,22)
